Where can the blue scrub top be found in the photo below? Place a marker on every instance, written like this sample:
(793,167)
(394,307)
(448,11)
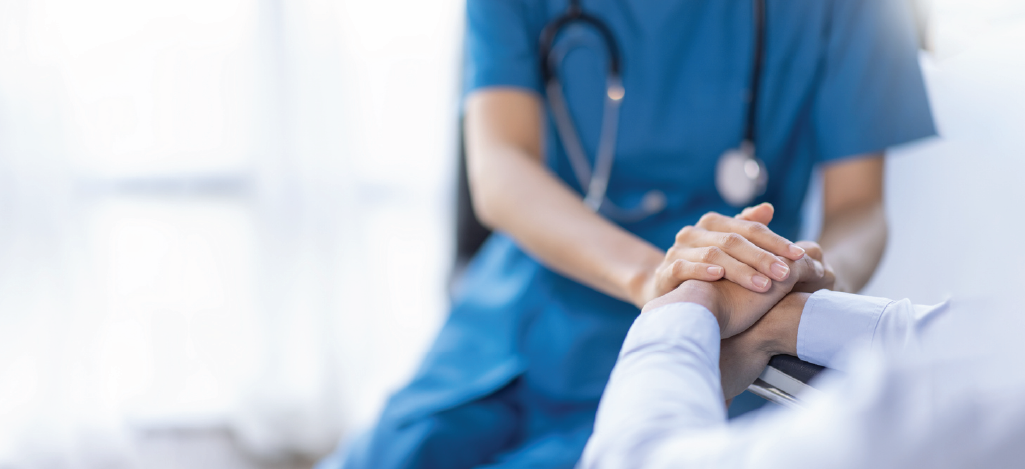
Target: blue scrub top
(840,78)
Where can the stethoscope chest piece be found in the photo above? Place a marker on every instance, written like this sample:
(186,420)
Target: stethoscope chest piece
(740,177)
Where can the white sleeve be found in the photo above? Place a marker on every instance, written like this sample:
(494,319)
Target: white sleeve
(833,322)
(666,381)
(663,405)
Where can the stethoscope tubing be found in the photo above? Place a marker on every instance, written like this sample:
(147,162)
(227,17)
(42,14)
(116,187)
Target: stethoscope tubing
(758,12)
(595,184)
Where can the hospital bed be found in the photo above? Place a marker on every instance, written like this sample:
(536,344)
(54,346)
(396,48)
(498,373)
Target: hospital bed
(786,381)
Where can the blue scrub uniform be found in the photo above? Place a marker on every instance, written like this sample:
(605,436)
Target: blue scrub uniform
(515,375)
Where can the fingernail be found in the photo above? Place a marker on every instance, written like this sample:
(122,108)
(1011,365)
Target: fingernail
(760,281)
(715,270)
(779,270)
(796,250)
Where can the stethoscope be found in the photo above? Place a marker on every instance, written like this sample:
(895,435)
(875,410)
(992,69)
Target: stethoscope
(740,176)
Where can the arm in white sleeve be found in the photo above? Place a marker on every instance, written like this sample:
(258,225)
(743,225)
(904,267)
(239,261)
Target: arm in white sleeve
(666,381)
(663,405)
(832,322)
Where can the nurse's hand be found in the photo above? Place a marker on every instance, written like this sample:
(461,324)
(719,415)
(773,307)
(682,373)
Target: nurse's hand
(735,307)
(743,246)
(743,356)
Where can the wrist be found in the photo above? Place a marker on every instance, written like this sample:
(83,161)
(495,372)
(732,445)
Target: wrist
(639,282)
(703,294)
(777,331)
(707,295)
(692,291)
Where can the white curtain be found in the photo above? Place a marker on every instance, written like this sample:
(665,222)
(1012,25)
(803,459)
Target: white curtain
(352,204)
(219,214)
(52,398)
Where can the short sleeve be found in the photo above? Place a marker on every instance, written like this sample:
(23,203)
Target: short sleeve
(501,45)
(872,95)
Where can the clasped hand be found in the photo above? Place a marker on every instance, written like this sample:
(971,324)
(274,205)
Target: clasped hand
(750,337)
(753,321)
(736,308)
(724,263)
(740,249)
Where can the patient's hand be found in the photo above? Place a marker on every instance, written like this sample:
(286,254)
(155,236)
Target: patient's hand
(735,307)
(743,356)
(826,281)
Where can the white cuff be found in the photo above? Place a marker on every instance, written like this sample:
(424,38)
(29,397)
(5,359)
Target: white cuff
(833,321)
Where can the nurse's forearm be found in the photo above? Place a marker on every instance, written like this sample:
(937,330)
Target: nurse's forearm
(518,196)
(854,223)
(853,241)
(515,193)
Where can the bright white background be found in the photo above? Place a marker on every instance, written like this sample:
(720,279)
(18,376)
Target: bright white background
(218,213)
(236,214)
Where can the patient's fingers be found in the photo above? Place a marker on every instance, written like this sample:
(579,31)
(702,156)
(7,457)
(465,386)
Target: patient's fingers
(812,248)
(759,234)
(821,276)
(761,213)
(808,270)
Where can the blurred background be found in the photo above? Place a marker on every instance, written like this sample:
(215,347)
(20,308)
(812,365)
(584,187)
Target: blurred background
(227,226)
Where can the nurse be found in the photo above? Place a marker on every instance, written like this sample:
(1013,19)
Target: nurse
(514,377)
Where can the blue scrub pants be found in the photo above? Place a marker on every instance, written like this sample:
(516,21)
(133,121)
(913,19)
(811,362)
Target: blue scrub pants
(512,428)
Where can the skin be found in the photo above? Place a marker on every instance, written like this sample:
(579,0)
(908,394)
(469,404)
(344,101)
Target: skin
(854,237)
(754,326)
(512,191)
(515,193)
(735,307)
(743,356)
(854,230)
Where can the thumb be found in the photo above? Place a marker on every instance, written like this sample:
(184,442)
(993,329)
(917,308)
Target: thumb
(761,213)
